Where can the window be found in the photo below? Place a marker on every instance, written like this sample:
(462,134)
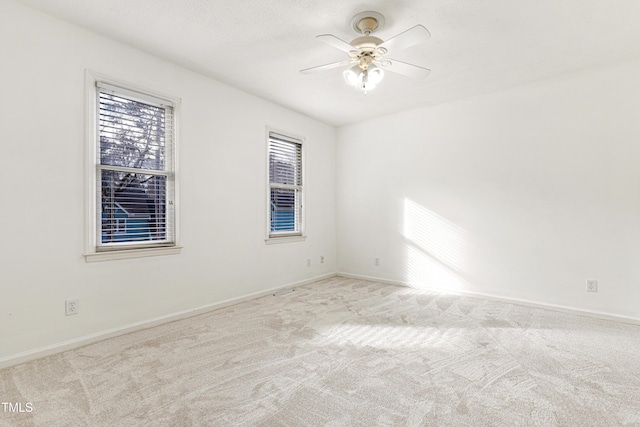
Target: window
(285,186)
(134,171)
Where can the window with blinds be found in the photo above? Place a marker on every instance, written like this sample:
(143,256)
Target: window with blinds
(285,186)
(135,169)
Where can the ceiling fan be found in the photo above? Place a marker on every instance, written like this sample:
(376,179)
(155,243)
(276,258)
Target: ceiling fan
(368,52)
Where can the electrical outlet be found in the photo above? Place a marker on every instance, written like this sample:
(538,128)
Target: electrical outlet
(592,285)
(376,261)
(308,262)
(71,306)
(321,259)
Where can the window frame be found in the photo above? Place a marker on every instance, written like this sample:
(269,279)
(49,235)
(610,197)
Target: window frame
(287,236)
(94,251)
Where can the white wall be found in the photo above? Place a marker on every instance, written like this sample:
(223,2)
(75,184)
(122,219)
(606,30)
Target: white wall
(222,189)
(523,193)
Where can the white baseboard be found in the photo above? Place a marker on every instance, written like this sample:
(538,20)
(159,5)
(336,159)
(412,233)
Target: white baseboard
(27,356)
(528,303)
(37,353)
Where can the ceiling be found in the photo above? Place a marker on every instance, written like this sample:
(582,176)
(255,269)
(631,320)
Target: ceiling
(259,46)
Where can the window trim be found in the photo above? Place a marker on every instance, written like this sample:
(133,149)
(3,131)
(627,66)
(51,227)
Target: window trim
(285,237)
(92,216)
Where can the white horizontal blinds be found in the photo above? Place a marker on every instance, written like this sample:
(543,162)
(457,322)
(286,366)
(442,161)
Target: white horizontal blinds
(285,182)
(285,160)
(135,168)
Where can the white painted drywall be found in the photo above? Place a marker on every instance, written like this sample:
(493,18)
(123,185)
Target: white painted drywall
(523,193)
(222,191)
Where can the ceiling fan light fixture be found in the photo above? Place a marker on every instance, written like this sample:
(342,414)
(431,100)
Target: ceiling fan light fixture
(364,80)
(375,74)
(365,84)
(352,75)
(368,80)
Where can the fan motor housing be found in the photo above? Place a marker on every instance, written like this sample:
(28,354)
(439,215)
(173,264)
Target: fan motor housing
(366,43)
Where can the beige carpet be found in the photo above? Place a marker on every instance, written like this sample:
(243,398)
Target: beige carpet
(344,352)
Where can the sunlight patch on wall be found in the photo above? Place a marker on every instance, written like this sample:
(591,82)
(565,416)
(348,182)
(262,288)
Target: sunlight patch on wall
(436,250)
(424,272)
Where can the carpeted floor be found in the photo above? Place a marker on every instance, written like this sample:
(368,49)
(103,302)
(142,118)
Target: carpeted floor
(344,352)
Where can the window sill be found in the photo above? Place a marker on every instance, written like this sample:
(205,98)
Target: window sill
(284,239)
(131,253)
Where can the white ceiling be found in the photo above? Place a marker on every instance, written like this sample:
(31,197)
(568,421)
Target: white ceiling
(259,46)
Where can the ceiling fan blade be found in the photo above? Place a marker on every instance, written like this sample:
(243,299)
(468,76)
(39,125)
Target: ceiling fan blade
(404,68)
(327,66)
(413,35)
(334,41)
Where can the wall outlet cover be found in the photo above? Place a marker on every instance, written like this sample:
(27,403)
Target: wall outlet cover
(71,306)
